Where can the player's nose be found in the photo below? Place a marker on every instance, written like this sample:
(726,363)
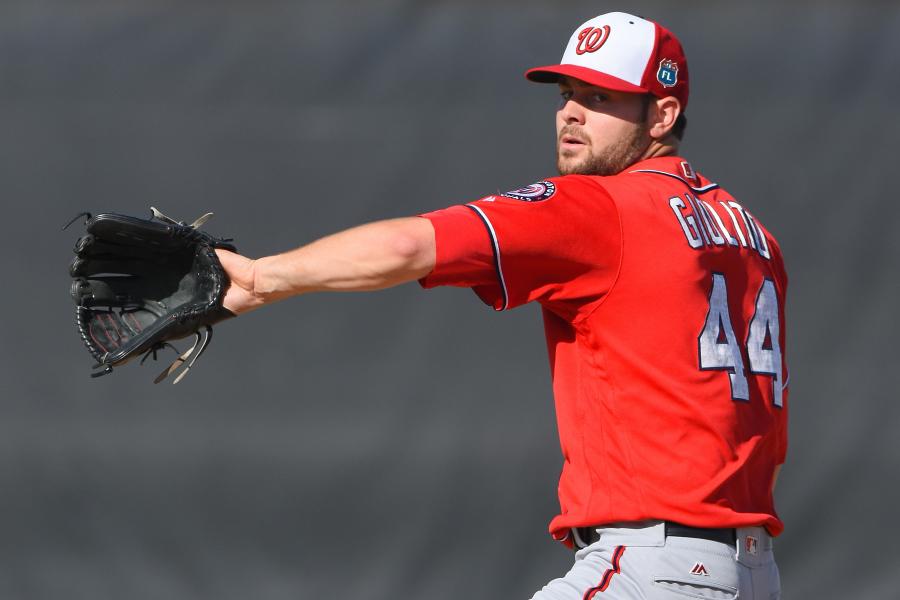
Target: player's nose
(571,112)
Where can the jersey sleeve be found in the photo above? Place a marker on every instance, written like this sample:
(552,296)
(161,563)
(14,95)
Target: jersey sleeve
(557,242)
(463,253)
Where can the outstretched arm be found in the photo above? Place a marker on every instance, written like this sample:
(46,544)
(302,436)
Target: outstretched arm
(369,257)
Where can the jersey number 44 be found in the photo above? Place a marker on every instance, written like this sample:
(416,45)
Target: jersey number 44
(719,348)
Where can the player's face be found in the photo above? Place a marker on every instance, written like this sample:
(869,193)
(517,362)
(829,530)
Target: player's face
(599,131)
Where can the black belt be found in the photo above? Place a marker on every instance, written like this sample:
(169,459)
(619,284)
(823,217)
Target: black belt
(589,535)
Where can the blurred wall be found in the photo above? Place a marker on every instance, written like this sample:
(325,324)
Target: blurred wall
(403,444)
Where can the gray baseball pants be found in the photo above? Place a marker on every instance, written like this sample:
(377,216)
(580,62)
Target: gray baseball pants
(638,562)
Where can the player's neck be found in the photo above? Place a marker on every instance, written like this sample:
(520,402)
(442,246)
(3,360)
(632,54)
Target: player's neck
(667,146)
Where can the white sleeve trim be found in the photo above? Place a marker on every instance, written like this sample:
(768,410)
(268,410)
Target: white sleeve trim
(495,246)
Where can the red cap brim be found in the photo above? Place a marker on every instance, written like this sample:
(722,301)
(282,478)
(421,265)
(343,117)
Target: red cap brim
(551,74)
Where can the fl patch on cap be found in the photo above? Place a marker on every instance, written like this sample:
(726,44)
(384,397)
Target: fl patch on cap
(625,53)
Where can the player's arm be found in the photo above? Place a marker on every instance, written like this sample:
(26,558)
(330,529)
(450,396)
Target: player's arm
(369,257)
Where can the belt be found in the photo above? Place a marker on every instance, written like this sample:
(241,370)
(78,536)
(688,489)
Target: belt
(589,535)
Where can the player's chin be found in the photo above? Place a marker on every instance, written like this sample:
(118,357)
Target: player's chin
(567,164)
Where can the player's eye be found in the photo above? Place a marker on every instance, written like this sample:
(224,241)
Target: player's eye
(565,95)
(599,98)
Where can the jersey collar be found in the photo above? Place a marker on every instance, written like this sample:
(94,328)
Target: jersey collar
(677,167)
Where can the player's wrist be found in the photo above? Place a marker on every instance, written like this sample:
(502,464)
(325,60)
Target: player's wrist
(268,281)
(261,285)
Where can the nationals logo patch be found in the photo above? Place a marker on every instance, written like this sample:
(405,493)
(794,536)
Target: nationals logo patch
(532,193)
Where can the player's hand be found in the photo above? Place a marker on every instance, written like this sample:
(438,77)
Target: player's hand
(240,297)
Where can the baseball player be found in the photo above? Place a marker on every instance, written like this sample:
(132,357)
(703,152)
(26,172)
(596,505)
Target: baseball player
(663,302)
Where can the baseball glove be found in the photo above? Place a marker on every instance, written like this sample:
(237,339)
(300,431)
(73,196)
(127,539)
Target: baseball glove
(140,283)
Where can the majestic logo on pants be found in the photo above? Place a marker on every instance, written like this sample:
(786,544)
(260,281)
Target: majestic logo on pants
(699,569)
(590,39)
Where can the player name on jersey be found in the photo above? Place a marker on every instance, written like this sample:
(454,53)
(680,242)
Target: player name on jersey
(703,226)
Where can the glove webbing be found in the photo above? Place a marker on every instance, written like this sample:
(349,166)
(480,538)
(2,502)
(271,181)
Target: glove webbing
(181,359)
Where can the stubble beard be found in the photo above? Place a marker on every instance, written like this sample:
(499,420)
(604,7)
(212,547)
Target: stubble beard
(613,159)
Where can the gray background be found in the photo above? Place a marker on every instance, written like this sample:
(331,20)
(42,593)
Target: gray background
(403,444)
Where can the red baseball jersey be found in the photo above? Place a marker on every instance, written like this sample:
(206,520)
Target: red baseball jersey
(663,302)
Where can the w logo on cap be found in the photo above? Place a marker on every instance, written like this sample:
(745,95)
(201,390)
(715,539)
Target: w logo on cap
(590,39)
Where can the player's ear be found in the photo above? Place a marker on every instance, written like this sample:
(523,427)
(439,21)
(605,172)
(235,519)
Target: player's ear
(662,114)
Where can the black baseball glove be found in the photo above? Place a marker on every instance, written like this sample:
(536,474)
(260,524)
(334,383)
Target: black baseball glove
(140,283)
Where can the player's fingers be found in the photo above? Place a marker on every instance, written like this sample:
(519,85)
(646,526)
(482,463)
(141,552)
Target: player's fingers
(239,268)
(227,258)
(239,301)
(240,296)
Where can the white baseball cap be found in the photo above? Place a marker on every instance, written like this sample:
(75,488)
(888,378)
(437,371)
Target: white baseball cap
(623,52)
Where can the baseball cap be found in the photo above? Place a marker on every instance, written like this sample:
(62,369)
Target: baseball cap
(625,53)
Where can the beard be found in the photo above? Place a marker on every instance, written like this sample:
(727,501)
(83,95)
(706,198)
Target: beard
(609,161)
